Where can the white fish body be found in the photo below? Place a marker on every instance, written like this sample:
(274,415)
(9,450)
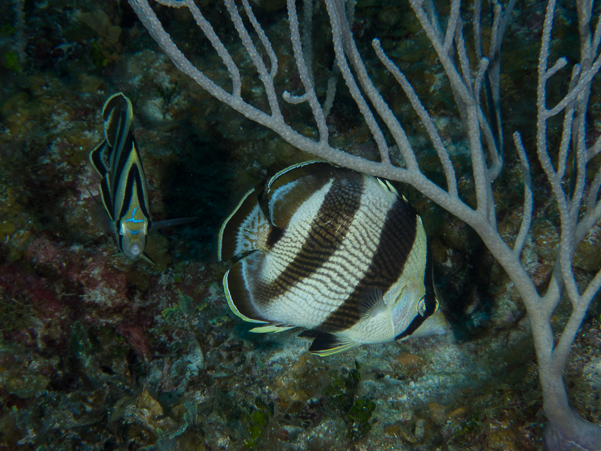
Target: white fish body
(341,255)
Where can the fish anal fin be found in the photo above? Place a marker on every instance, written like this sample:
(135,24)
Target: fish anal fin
(309,334)
(245,229)
(238,296)
(326,344)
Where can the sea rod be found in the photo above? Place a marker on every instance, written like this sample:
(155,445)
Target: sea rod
(476,87)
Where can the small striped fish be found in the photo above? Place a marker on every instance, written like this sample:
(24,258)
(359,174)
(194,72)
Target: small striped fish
(123,187)
(338,253)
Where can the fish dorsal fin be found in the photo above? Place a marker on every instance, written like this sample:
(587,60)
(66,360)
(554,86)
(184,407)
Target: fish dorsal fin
(244,230)
(387,186)
(392,189)
(97,158)
(291,187)
(107,199)
(372,302)
(326,344)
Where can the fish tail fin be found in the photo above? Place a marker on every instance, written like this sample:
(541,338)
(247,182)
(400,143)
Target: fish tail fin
(245,229)
(238,297)
(118,115)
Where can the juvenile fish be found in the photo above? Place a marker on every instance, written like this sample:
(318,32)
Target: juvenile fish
(123,187)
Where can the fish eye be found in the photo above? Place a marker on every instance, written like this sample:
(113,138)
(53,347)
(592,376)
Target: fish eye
(421,306)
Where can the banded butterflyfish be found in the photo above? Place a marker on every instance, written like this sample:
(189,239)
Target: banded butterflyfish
(333,251)
(123,186)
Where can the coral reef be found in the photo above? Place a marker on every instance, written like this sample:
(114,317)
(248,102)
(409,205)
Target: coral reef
(98,352)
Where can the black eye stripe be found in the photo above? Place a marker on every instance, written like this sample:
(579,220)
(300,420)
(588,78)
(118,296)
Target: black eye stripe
(418,320)
(429,299)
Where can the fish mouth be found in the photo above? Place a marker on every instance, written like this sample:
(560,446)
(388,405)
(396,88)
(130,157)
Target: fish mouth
(133,250)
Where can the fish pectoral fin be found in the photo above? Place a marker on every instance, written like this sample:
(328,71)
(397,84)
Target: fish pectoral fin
(96,161)
(372,302)
(172,222)
(271,328)
(146,257)
(326,344)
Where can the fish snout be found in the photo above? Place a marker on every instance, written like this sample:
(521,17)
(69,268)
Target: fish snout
(133,242)
(135,249)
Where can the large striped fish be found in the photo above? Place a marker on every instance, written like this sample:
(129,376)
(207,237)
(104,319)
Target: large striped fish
(338,253)
(123,187)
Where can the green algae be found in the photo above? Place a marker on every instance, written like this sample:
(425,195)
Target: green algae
(11,60)
(340,393)
(184,311)
(81,346)
(358,418)
(149,419)
(26,385)
(16,313)
(258,419)
(98,55)
(167,93)
(341,396)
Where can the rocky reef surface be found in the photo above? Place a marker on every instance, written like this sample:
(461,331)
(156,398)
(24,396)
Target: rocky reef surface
(98,352)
